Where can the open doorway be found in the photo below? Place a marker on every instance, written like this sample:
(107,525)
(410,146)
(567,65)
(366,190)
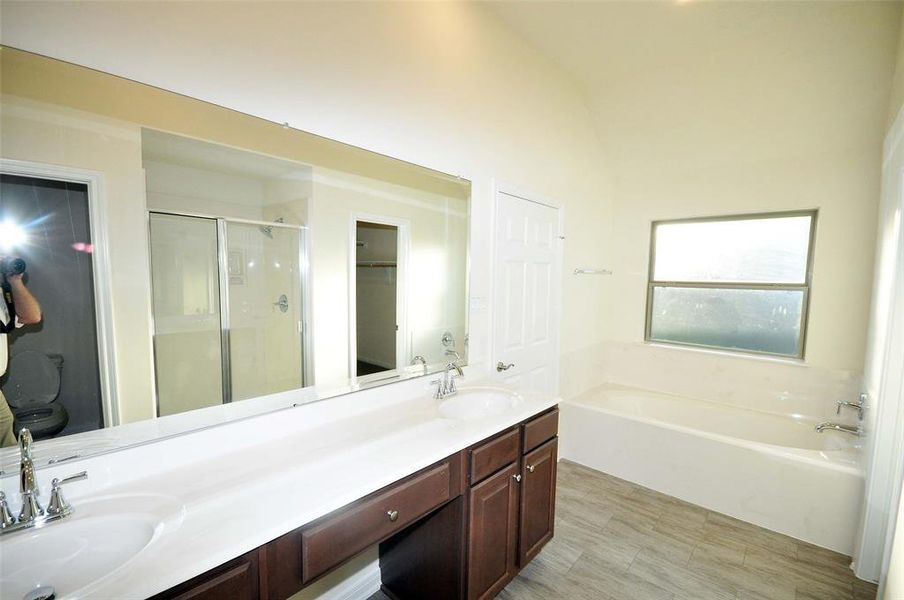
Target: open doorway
(50,370)
(378,279)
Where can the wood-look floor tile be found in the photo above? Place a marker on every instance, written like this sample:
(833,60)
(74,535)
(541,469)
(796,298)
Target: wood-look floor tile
(720,526)
(619,541)
(807,580)
(723,553)
(680,580)
(864,590)
(544,577)
(615,552)
(592,578)
(653,542)
(748,583)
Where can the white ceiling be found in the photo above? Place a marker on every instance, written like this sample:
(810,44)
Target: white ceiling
(776,73)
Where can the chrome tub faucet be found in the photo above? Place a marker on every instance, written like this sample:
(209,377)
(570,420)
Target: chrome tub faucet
(859,406)
(838,427)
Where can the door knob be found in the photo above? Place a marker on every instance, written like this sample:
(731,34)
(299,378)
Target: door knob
(501,366)
(530,468)
(517,477)
(393,515)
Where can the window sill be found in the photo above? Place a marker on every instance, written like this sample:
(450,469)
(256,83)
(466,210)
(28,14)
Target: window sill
(784,360)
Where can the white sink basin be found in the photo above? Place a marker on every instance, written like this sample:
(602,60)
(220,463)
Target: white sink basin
(69,555)
(478,403)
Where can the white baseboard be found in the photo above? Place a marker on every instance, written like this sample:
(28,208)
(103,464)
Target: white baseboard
(359,586)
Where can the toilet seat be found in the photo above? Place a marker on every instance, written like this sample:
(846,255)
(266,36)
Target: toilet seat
(31,388)
(42,420)
(34,378)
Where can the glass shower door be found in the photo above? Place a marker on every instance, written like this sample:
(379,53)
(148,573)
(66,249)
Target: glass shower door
(264,315)
(187,323)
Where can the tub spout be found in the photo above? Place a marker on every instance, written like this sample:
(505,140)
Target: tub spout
(836,427)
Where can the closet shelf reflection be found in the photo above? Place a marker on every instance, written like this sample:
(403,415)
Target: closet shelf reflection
(373,264)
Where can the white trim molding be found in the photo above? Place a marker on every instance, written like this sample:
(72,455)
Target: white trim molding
(884,373)
(403,250)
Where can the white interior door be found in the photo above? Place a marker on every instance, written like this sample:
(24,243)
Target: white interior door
(526,293)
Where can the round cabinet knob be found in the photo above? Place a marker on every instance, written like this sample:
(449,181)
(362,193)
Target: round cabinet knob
(530,468)
(393,515)
(517,477)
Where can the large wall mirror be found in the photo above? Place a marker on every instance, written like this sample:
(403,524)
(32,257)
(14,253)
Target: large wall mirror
(194,265)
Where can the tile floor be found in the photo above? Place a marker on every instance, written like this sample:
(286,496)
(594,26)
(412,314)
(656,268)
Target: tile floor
(619,541)
(616,540)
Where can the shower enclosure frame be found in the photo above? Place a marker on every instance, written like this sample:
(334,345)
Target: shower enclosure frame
(304,296)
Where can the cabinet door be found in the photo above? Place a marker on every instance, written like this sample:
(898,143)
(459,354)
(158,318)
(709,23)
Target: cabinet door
(235,580)
(493,534)
(538,500)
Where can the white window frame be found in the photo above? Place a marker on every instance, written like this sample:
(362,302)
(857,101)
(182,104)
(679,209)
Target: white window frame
(804,287)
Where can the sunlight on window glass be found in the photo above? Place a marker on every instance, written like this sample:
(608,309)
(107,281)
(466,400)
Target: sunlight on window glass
(756,320)
(746,250)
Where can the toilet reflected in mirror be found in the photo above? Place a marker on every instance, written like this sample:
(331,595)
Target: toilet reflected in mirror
(31,390)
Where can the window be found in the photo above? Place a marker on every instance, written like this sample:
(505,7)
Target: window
(737,283)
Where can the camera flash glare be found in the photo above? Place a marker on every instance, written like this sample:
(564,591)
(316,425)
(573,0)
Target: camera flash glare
(11,235)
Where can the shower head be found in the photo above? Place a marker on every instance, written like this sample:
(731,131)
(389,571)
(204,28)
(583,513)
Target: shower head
(267,230)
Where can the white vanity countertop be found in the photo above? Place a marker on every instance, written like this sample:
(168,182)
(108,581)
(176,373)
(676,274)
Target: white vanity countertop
(245,484)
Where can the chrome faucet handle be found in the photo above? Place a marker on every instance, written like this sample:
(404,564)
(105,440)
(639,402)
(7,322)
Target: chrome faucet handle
(58,505)
(450,388)
(859,406)
(6,517)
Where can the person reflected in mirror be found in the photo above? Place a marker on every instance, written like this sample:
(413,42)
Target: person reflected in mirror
(19,307)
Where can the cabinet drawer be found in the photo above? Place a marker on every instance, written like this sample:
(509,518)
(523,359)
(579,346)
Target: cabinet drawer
(488,458)
(344,535)
(540,429)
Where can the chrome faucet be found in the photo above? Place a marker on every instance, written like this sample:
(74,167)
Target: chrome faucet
(858,406)
(31,514)
(31,509)
(837,427)
(445,386)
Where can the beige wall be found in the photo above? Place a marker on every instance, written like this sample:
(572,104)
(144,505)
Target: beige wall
(739,109)
(436,287)
(36,132)
(897,86)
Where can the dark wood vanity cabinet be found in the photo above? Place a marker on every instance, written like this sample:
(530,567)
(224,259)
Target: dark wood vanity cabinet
(458,529)
(538,501)
(493,533)
(239,579)
(512,512)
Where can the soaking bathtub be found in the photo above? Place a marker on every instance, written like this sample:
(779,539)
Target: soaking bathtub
(771,470)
